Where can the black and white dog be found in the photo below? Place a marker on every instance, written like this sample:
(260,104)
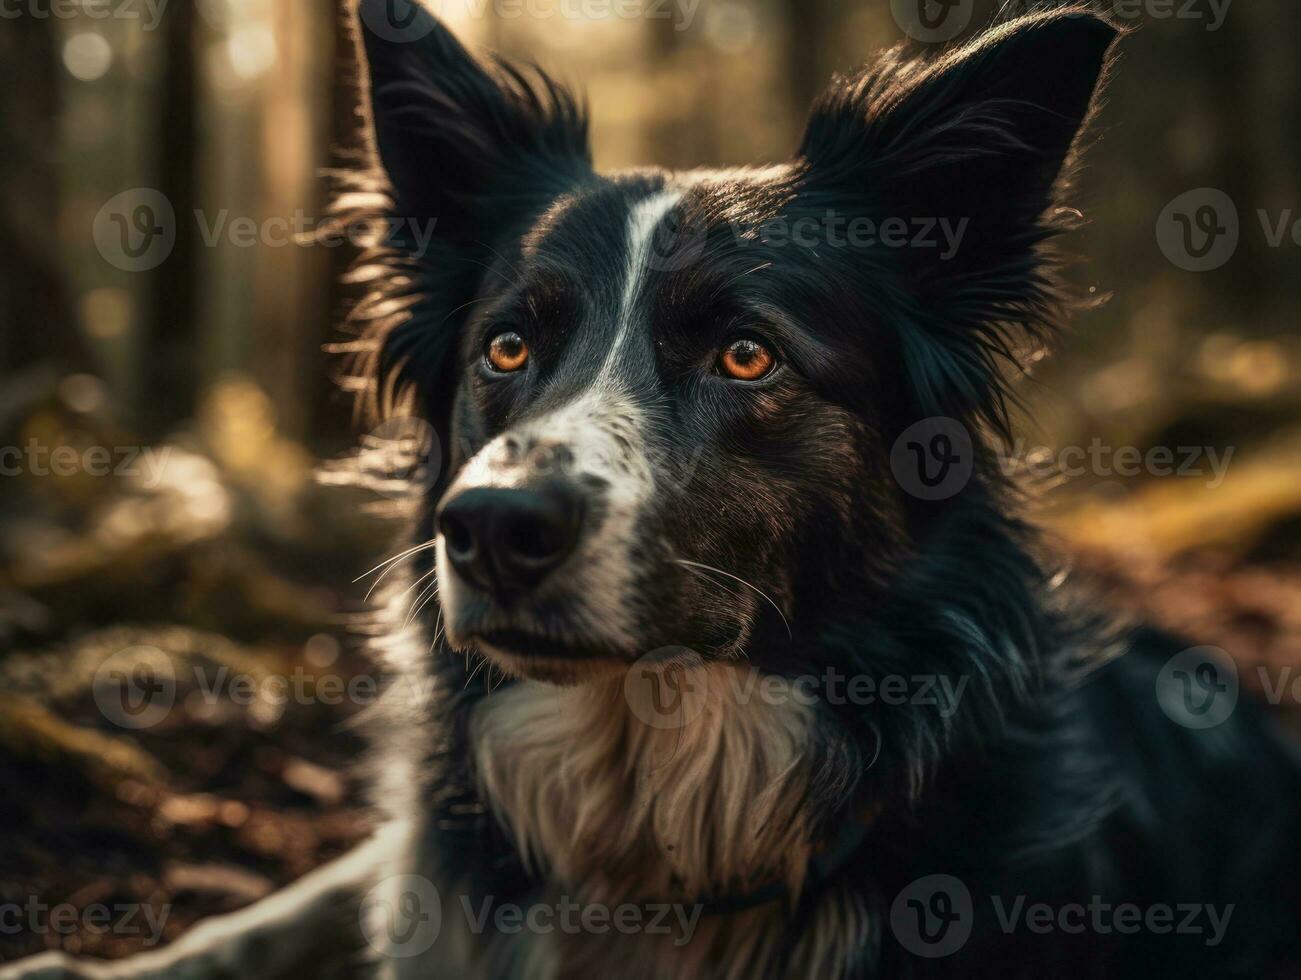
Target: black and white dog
(681,566)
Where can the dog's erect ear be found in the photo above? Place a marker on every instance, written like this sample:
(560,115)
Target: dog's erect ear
(458,139)
(978,138)
(473,153)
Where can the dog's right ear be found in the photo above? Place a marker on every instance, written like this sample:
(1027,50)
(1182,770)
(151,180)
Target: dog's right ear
(462,143)
(473,154)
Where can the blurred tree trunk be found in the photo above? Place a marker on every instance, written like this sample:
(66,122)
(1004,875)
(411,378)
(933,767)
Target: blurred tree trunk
(169,362)
(35,322)
(1274,112)
(809,37)
(678,130)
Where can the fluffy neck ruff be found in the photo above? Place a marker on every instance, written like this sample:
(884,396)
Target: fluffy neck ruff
(601,802)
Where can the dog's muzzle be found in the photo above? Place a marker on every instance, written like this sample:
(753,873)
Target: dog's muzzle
(507,540)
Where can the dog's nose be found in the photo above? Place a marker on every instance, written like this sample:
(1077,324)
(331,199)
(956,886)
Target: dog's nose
(508,540)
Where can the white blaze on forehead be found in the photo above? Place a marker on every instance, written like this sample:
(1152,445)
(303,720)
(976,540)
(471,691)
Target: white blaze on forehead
(603,431)
(646,217)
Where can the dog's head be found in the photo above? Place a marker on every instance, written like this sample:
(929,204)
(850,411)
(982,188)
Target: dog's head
(668,401)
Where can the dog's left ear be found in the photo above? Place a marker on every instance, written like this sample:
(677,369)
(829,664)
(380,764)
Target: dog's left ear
(979,138)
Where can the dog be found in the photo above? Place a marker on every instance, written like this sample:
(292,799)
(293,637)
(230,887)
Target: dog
(741,662)
(675,478)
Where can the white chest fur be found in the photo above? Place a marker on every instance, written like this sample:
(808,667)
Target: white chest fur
(609,809)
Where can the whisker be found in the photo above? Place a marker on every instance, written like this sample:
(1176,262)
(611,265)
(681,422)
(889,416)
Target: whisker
(482,662)
(391,564)
(426,597)
(737,578)
(422,578)
(438,628)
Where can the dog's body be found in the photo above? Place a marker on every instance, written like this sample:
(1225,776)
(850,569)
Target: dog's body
(624,479)
(668,458)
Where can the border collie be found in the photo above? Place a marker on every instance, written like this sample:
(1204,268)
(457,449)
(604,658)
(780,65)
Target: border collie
(678,412)
(741,662)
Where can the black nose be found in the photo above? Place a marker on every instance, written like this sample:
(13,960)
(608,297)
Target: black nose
(507,540)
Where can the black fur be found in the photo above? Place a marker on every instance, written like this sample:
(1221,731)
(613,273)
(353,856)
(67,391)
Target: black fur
(1059,778)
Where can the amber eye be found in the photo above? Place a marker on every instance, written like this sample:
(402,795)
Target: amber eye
(507,352)
(746,360)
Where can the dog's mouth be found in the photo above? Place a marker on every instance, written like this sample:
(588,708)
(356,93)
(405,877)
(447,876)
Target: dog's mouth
(525,644)
(536,656)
